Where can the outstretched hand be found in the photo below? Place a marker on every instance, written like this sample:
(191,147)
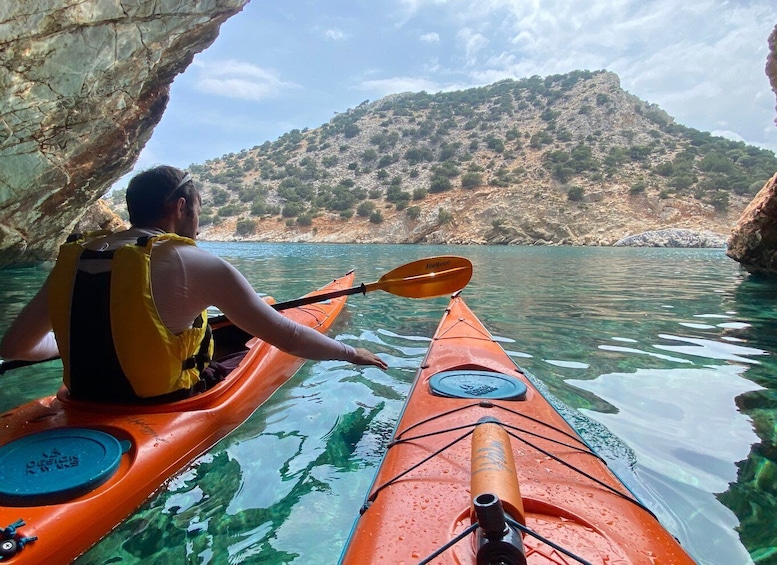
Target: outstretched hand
(367,357)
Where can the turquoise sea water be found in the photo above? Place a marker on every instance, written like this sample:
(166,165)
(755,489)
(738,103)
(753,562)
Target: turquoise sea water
(664,358)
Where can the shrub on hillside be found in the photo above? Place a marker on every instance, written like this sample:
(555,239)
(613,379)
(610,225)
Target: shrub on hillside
(376,217)
(575,193)
(444,216)
(440,184)
(219,196)
(471,180)
(292,209)
(246,227)
(413,212)
(351,130)
(719,200)
(230,210)
(365,208)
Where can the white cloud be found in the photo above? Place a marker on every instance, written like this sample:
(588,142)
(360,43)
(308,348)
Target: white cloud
(702,61)
(236,79)
(727,134)
(395,85)
(336,34)
(474,42)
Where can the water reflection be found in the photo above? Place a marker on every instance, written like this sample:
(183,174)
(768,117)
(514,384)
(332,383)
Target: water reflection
(679,422)
(753,496)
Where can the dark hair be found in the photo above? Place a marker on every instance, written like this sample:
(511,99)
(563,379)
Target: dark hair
(151,191)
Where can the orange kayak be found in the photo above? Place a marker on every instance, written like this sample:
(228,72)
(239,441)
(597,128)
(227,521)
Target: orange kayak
(70,471)
(482,469)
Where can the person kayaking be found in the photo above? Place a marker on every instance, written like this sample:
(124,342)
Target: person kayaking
(127,311)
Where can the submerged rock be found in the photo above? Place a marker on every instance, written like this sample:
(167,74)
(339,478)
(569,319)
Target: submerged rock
(673,238)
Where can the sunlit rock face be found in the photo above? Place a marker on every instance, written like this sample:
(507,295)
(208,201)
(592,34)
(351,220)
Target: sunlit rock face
(753,241)
(83,84)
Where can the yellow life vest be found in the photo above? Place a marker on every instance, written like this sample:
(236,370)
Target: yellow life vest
(113,343)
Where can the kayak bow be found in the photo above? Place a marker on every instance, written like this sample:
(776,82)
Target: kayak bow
(482,469)
(70,471)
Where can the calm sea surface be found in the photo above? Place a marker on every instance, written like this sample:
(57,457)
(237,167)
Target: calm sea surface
(665,359)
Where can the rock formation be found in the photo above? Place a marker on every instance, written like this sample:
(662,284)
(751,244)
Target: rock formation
(99,217)
(673,238)
(83,85)
(771,63)
(753,242)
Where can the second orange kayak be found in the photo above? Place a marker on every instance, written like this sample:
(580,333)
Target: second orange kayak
(483,469)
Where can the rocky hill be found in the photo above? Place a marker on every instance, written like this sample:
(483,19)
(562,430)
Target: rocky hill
(567,159)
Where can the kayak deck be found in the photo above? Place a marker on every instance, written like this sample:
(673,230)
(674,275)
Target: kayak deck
(422,495)
(157,440)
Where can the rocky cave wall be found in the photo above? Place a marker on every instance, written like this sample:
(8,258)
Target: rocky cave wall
(83,86)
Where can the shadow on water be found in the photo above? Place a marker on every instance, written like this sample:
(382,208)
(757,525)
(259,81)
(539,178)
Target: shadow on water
(753,497)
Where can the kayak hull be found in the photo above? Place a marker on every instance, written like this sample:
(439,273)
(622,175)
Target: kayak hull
(422,494)
(158,441)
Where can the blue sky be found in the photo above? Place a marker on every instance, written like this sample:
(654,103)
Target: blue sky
(277,66)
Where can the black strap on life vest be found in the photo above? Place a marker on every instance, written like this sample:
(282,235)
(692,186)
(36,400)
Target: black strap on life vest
(201,358)
(95,371)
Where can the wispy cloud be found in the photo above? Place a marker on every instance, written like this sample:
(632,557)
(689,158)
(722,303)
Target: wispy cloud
(236,79)
(695,59)
(474,42)
(395,85)
(701,61)
(336,34)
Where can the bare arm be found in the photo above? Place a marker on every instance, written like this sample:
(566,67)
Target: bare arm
(30,337)
(235,297)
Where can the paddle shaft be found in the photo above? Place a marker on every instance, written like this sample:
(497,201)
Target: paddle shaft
(362,288)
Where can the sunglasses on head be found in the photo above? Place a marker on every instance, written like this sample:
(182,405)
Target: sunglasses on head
(186,178)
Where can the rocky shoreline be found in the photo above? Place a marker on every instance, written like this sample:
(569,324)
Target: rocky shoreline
(674,238)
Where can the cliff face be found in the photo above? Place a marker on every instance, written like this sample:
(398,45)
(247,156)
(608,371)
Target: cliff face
(771,63)
(83,85)
(753,241)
